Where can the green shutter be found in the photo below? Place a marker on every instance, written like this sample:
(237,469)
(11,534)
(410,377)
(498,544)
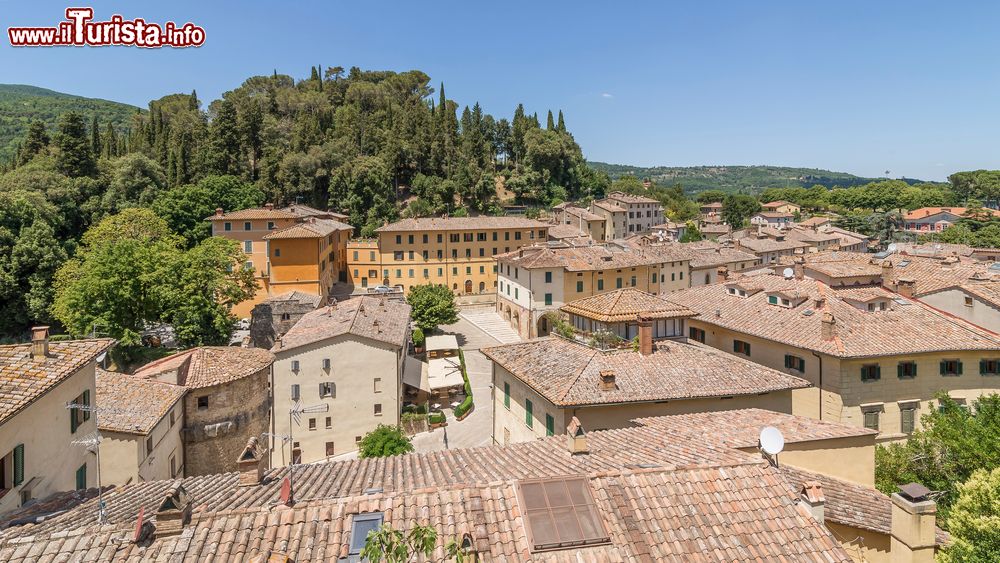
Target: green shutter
(86,401)
(746,347)
(878,372)
(528,418)
(982,367)
(506,395)
(72,421)
(550,425)
(944,367)
(787,360)
(959,367)
(18,464)
(81,477)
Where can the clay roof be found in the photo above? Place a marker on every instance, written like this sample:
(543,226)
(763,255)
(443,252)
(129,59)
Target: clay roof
(925,212)
(462,224)
(907,327)
(589,258)
(777,204)
(630,198)
(815,221)
(310,228)
(378,318)
(809,235)
(567,373)
(295,295)
(712,254)
(625,305)
(608,206)
(741,429)
(24,379)
(206,366)
(139,403)
(715,229)
(306,211)
(585,214)
(657,498)
(253,213)
(713,205)
(770,245)
(774,214)
(559,232)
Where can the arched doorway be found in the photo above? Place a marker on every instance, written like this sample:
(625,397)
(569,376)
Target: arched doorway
(468,286)
(543,326)
(482,287)
(506,313)
(515,322)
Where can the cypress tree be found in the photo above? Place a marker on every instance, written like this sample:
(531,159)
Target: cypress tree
(74,158)
(110,146)
(95,137)
(550,123)
(194,103)
(314,75)
(561,126)
(35,142)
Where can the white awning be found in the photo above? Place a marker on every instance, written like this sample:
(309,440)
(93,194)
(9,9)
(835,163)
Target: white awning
(442,342)
(415,374)
(444,372)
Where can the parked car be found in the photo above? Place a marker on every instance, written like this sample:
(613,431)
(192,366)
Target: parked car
(382,289)
(243,324)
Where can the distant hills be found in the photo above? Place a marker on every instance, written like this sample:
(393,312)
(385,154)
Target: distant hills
(736,178)
(20,105)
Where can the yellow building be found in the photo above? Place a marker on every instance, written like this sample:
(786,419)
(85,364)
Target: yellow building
(539,279)
(295,248)
(876,359)
(456,252)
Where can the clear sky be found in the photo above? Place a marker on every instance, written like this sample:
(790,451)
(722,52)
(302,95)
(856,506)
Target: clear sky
(911,87)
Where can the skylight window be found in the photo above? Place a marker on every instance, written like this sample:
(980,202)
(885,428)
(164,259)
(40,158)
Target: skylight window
(360,527)
(560,513)
(903,263)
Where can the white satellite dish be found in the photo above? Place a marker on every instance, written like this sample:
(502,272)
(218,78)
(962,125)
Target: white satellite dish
(771,440)
(788,273)
(891,248)
(101,356)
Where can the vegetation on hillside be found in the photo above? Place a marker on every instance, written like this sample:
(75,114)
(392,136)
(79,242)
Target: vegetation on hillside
(20,106)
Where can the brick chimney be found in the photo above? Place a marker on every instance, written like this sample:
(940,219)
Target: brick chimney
(799,267)
(829,326)
(906,287)
(913,517)
(174,512)
(886,274)
(39,342)
(722,272)
(607,382)
(812,498)
(645,337)
(269,206)
(577,438)
(219,212)
(250,464)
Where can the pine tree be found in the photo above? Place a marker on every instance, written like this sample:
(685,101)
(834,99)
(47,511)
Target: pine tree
(224,155)
(95,137)
(315,75)
(550,123)
(194,100)
(109,148)
(74,158)
(35,142)
(561,126)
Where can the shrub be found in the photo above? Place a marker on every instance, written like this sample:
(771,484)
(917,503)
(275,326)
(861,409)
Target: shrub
(385,441)
(463,407)
(436,417)
(418,338)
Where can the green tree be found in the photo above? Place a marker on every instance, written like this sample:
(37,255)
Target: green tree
(974,522)
(691,233)
(392,546)
(952,443)
(384,441)
(710,196)
(738,208)
(74,157)
(186,207)
(432,305)
(36,141)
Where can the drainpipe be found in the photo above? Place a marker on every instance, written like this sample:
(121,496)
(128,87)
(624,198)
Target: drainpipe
(820,358)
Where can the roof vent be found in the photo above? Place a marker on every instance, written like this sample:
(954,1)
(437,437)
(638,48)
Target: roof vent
(577,437)
(607,380)
(914,492)
(373,490)
(39,342)
(174,512)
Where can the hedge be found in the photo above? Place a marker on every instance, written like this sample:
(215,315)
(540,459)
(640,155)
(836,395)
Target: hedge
(436,417)
(466,405)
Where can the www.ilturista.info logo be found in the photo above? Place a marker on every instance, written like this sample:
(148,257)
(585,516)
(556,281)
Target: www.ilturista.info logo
(79,30)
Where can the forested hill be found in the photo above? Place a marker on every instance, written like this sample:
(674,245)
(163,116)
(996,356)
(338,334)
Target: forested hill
(736,178)
(21,104)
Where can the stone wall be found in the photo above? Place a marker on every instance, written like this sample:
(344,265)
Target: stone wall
(266,323)
(215,436)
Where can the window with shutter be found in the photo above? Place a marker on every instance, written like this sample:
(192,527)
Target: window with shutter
(871,420)
(86,401)
(295,392)
(528,418)
(81,477)
(905,370)
(550,425)
(989,367)
(506,395)
(326,363)
(871,372)
(18,464)
(906,419)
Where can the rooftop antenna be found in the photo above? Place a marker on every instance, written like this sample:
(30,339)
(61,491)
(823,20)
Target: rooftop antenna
(92,442)
(771,442)
(295,414)
(788,273)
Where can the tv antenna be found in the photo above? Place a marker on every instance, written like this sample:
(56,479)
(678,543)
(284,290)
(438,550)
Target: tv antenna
(92,442)
(771,442)
(295,414)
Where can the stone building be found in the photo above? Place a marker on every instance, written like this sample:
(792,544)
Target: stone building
(275,315)
(227,401)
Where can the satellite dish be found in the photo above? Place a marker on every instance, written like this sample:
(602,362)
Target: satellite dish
(101,356)
(788,273)
(771,440)
(891,247)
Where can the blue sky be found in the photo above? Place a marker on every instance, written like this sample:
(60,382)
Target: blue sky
(862,87)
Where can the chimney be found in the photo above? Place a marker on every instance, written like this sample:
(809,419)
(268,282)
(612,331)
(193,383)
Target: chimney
(269,206)
(376,326)
(913,516)
(607,382)
(577,438)
(829,326)
(250,464)
(799,267)
(722,272)
(174,512)
(811,497)
(906,287)
(218,212)
(819,302)
(886,273)
(39,342)
(645,336)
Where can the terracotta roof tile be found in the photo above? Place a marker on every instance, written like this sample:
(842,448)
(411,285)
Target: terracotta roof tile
(378,318)
(462,224)
(625,305)
(257,213)
(310,228)
(24,379)
(139,403)
(630,198)
(206,366)
(568,373)
(925,212)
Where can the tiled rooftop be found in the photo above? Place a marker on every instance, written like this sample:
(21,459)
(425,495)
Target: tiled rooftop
(306,211)
(309,228)
(581,212)
(925,212)
(480,223)
(378,318)
(658,498)
(254,213)
(298,296)
(590,258)
(24,379)
(206,366)
(769,245)
(568,373)
(630,198)
(138,403)
(625,305)
(907,327)
(609,206)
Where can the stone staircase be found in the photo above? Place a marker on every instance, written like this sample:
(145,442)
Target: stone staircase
(490,322)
